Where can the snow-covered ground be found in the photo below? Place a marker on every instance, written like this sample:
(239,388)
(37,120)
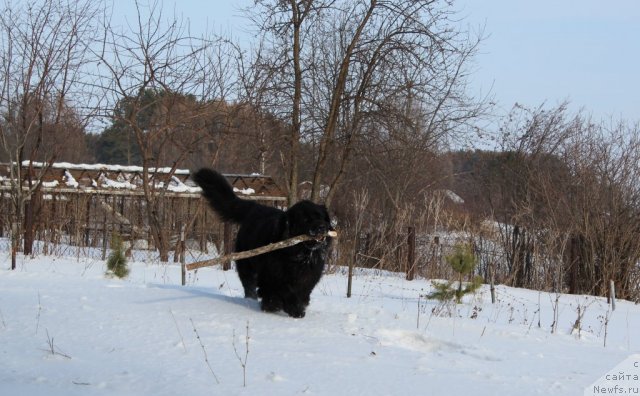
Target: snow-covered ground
(66,329)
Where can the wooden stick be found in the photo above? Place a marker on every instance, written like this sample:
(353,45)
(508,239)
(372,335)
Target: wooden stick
(254,252)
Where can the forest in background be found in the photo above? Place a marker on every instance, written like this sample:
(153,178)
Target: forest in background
(359,104)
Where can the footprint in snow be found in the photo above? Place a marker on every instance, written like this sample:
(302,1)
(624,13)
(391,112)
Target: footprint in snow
(417,342)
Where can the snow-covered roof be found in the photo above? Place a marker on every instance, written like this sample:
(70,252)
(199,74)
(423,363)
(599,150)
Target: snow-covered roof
(119,179)
(106,167)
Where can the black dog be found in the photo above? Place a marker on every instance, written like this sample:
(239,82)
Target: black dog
(283,278)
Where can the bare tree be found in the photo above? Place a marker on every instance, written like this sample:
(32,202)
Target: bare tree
(163,82)
(339,70)
(43,54)
(568,202)
(604,207)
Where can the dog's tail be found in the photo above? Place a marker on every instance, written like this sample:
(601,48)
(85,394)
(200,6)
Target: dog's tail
(217,190)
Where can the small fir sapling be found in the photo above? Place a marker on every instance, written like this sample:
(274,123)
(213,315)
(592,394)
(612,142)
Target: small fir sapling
(117,261)
(463,262)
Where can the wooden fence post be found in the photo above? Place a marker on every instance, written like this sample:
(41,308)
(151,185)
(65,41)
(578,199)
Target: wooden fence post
(492,280)
(227,244)
(87,223)
(612,294)
(15,230)
(352,263)
(182,255)
(104,235)
(411,253)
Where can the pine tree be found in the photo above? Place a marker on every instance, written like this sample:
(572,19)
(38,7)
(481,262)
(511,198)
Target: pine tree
(462,261)
(117,261)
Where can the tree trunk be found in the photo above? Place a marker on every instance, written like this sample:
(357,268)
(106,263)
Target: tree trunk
(297,100)
(334,108)
(28,227)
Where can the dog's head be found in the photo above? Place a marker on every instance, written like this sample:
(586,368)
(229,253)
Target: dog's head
(308,218)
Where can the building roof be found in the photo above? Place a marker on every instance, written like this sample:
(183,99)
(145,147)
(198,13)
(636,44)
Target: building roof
(127,180)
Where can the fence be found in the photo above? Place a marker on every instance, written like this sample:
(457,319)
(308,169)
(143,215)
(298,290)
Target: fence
(78,207)
(85,222)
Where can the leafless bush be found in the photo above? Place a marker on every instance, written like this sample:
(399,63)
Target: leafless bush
(204,352)
(242,359)
(53,349)
(581,309)
(555,306)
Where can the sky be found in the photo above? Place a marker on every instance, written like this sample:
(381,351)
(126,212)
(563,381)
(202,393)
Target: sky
(586,52)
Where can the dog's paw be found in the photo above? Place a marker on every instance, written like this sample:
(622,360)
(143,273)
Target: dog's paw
(295,311)
(298,315)
(270,304)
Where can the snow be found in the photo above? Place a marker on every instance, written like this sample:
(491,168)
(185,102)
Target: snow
(121,177)
(51,184)
(138,336)
(244,191)
(104,181)
(127,177)
(176,185)
(105,167)
(69,180)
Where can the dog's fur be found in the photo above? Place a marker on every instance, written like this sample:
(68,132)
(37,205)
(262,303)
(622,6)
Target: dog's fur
(283,278)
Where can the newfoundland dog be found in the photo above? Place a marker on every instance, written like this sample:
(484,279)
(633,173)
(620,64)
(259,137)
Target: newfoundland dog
(284,278)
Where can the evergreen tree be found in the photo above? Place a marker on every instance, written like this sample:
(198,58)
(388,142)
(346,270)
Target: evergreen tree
(463,262)
(116,145)
(117,262)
